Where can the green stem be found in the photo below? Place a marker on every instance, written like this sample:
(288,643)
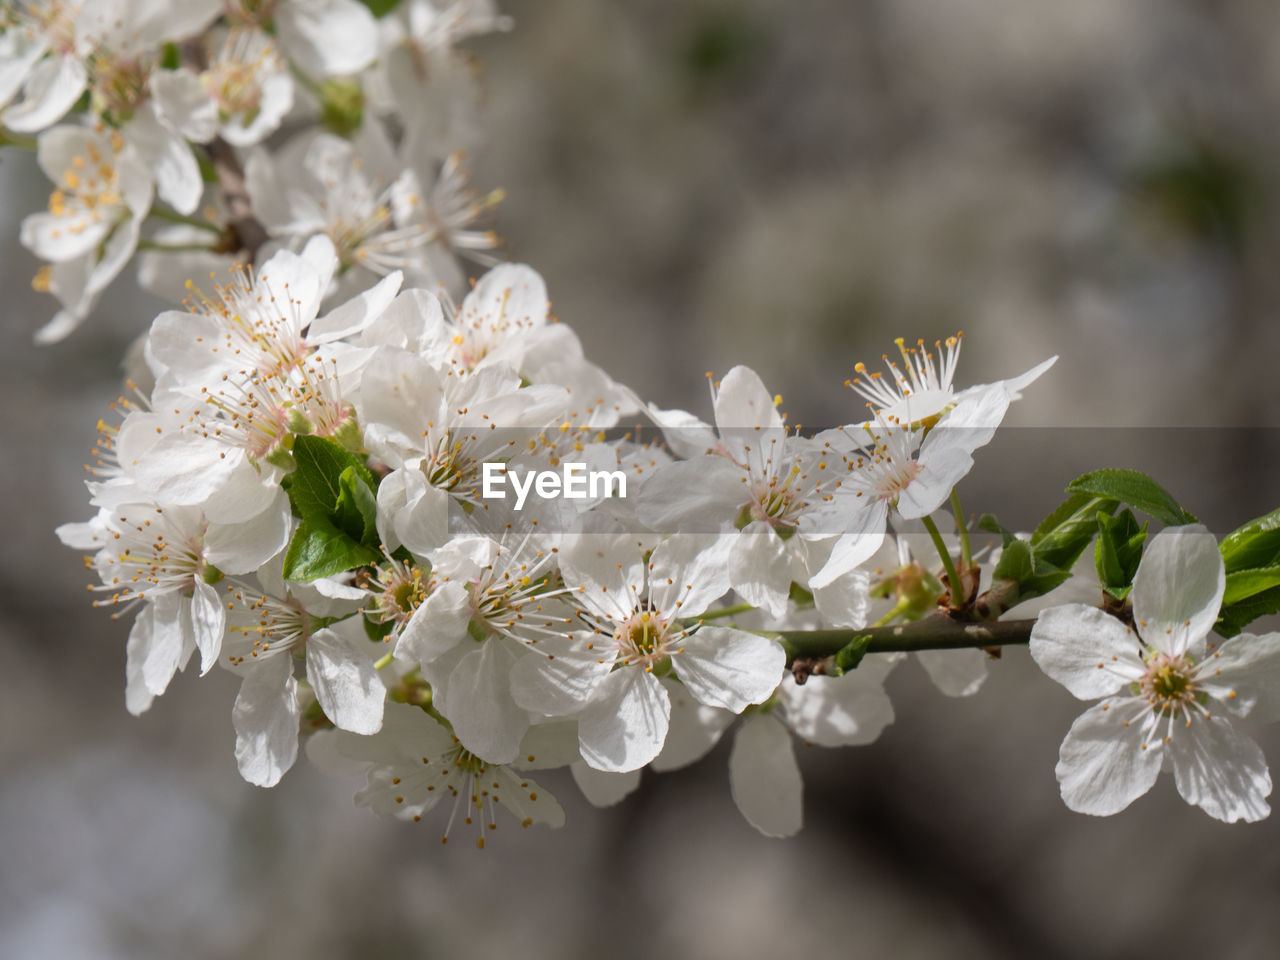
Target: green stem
(732,611)
(10,139)
(176,247)
(898,609)
(384,661)
(937,632)
(953,578)
(306,80)
(962,527)
(174,217)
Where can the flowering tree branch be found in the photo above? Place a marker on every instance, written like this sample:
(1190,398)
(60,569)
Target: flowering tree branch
(247,231)
(938,632)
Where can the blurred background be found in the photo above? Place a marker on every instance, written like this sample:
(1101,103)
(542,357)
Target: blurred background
(705,183)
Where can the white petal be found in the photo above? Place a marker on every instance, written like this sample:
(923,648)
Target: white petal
(60,239)
(609,570)
(841,711)
(846,601)
(764,777)
(19,52)
(137,697)
(328,37)
(511,295)
(697,566)
(1244,674)
(186,470)
(242,547)
(423,523)
(438,625)
(559,674)
(1178,589)
(956,673)
(345,682)
(52,88)
(1220,770)
(604,789)
(743,403)
(356,314)
(1106,761)
(625,724)
(265,717)
(760,568)
(1089,652)
(169,637)
(527,801)
(730,668)
(484,716)
(245,494)
(185,103)
(694,729)
(700,494)
(549,745)
(857,545)
(177,175)
(208,623)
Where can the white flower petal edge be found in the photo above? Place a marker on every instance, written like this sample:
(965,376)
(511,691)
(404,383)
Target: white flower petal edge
(1178,588)
(1105,763)
(1089,670)
(765,778)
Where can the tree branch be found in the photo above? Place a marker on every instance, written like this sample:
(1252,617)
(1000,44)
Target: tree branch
(250,234)
(937,632)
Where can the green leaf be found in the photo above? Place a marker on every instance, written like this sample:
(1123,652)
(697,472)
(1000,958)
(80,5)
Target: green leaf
(850,655)
(1254,545)
(380,8)
(801,596)
(316,484)
(319,549)
(1034,576)
(989,523)
(1237,616)
(1243,584)
(1118,551)
(356,513)
(1063,535)
(1136,489)
(377,631)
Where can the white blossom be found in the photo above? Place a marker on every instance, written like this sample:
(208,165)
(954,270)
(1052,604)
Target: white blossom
(1168,686)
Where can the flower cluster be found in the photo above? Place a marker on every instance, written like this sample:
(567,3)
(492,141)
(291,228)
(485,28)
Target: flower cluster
(442,547)
(152,120)
(305,497)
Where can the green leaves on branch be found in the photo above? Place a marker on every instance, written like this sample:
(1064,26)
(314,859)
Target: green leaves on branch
(319,549)
(849,656)
(1038,566)
(1118,552)
(333,492)
(1252,558)
(1031,568)
(1137,490)
(1256,544)
(314,487)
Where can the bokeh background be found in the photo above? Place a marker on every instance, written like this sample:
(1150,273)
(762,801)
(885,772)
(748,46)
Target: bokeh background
(705,183)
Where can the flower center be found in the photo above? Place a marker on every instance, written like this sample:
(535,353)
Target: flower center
(1168,683)
(645,638)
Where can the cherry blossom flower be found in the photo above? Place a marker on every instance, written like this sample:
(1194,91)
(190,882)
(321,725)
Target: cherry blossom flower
(1168,685)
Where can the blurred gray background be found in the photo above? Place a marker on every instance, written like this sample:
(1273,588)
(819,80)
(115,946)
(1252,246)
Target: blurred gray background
(702,184)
